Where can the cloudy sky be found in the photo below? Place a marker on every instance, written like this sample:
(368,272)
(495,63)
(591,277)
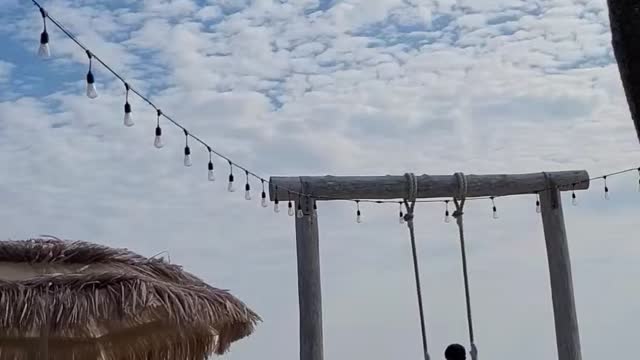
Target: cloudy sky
(314,87)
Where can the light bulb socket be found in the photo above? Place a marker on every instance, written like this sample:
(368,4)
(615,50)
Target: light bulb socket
(230,178)
(264,195)
(90,78)
(210,166)
(158,131)
(290,205)
(127,108)
(44,38)
(247,187)
(187,151)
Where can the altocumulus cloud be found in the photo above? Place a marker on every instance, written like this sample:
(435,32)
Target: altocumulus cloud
(307,87)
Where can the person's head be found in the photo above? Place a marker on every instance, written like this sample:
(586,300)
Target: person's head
(455,352)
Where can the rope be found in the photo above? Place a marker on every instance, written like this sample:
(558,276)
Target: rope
(410,203)
(459,202)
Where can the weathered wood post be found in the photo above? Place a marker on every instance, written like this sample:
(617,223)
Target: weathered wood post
(564,308)
(309,284)
(431,186)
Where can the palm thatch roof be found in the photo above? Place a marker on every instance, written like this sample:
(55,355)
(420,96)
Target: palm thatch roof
(624,16)
(96,302)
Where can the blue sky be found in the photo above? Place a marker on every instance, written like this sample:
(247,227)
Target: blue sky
(307,87)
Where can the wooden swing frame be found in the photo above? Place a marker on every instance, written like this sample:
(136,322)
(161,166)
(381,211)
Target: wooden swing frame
(548,185)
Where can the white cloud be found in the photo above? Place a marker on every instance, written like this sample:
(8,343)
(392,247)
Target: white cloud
(5,70)
(345,87)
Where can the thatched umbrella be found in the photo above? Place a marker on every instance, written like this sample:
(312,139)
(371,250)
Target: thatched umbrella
(624,16)
(94,302)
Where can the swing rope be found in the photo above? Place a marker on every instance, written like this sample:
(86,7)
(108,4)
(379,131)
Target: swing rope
(457,214)
(410,204)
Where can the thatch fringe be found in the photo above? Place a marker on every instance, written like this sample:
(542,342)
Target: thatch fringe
(127,292)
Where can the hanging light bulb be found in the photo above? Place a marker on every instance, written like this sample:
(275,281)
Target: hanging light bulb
(358,213)
(211,175)
(128,120)
(187,150)
(157,142)
(247,187)
(401,218)
(230,186)
(43,50)
(299,213)
(538,208)
(447,215)
(263,196)
(495,209)
(574,198)
(639,179)
(315,207)
(92,92)
(276,202)
(606,188)
(290,210)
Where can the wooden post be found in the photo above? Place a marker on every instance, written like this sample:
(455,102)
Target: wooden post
(564,308)
(309,285)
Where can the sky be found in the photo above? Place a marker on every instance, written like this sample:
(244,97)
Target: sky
(352,87)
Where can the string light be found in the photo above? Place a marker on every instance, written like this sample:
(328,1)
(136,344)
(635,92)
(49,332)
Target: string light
(299,213)
(276,202)
(291,212)
(247,188)
(606,188)
(230,186)
(128,120)
(157,142)
(187,150)
(495,209)
(264,197)
(447,215)
(92,92)
(401,218)
(211,175)
(358,213)
(43,50)
(574,198)
(538,208)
